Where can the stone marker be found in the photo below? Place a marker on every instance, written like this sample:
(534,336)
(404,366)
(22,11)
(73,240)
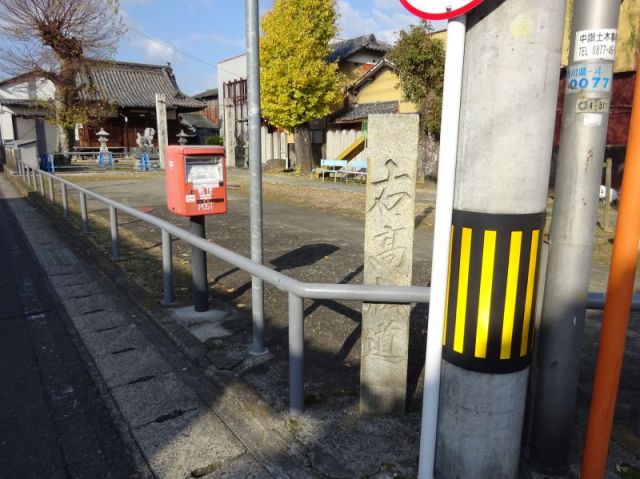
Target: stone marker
(392,155)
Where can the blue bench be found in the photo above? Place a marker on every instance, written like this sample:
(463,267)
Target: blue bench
(356,169)
(329,167)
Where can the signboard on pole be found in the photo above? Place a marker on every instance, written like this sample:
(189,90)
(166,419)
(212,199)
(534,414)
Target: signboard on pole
(439,9)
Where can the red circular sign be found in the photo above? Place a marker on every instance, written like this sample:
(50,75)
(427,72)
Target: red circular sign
(439,9)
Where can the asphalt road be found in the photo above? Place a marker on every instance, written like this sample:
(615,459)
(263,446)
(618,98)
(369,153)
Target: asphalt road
(53,423)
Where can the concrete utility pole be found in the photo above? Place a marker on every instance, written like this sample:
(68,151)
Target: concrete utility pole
(512,59)
(161,116)
(582,141)
(255,169)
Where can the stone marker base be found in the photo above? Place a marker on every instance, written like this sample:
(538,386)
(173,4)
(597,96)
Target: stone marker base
(206,325)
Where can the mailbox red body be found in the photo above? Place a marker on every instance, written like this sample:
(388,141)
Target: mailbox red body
(196,180)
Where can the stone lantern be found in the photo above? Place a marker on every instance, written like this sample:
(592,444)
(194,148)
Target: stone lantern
(103,138)
(182,137)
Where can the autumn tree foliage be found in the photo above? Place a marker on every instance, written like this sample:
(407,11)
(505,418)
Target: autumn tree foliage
(54,40)
(297,83)
(419,62)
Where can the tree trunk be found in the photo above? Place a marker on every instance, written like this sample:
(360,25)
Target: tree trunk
(422,156)
(431,148)
(65,139)
(304,155)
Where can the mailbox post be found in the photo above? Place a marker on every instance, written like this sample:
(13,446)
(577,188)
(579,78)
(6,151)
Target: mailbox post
(196,187)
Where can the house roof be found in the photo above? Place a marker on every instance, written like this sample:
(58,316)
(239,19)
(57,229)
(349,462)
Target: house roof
(134,85)
(346,48)
(197,121)
(17,102)
(23,107)
(13,79)
(371,74)
(131,85)
(212,92)
(363,110)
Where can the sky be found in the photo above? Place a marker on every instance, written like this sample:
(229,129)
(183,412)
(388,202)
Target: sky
(194,35)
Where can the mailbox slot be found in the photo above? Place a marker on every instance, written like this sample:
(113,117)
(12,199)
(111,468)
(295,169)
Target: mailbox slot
(201,170)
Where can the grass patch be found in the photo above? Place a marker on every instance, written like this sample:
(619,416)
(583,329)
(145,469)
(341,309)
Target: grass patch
(626,471)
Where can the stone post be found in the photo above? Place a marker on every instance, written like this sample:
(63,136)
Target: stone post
(229,132)
(388,258)
(161,116)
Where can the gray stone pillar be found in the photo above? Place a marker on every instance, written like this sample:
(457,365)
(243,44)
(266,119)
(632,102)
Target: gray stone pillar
(388,258)
(229,132)
(161,116)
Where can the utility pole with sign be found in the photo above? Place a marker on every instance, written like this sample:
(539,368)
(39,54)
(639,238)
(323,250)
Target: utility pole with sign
(507,110)
(582,142)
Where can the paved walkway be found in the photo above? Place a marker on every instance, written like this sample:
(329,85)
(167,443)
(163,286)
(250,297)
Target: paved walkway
(53,423)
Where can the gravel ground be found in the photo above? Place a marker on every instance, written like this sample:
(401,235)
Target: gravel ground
(314,232)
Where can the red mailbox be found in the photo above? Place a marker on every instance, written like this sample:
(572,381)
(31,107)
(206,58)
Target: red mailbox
(196,180)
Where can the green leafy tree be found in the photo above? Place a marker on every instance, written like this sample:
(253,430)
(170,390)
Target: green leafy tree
(419,63)
(297,84)
(54,40)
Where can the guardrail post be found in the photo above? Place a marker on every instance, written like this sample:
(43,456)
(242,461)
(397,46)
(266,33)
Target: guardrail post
(296,355)
(41,183)
(115,236)
(83,213)
(65,201)
(52,193)
(33,179)
(27,175)
(167,269)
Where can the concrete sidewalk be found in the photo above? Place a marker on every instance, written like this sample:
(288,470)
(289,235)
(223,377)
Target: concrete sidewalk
(179,421)
(249,395)
(53,422)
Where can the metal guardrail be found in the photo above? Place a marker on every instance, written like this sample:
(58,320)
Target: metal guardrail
(95,160)
(596,301)
(298,291)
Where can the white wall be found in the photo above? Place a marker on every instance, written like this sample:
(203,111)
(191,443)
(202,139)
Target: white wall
(339,140)
(26,128)
(274,145)
(46,89)
(23,90)
(234,68)
(52,136)
(6,126)
(18,91)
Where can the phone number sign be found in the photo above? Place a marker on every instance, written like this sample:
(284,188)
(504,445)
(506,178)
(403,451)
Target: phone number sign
(590,77)
(439,9)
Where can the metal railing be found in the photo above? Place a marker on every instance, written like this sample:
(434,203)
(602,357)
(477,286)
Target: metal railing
(297,291)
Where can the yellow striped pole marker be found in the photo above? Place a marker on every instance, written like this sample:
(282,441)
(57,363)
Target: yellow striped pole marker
(493,270)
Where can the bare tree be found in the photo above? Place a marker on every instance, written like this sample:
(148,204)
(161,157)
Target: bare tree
(54,40)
